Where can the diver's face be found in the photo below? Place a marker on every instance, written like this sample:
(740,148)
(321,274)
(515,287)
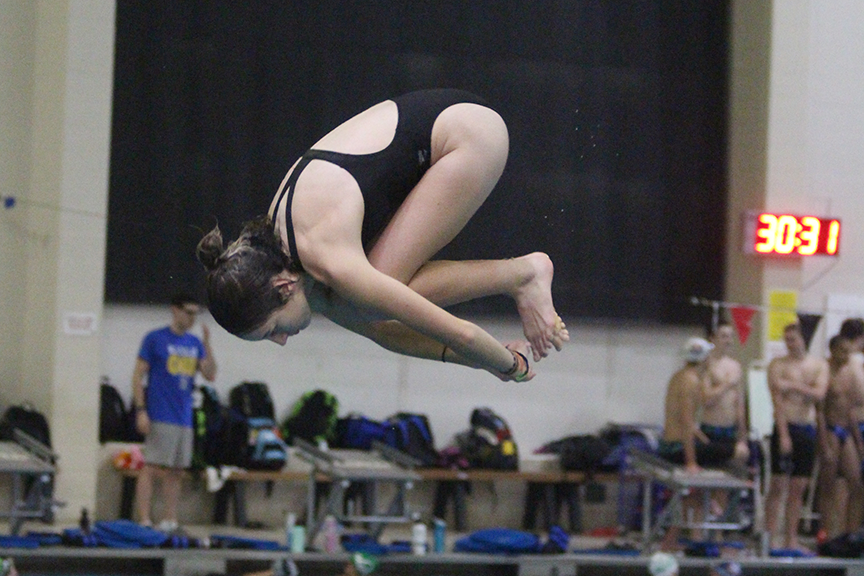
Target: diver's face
(284,322)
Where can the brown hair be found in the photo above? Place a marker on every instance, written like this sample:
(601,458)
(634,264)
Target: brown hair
(852,328)
(240,291)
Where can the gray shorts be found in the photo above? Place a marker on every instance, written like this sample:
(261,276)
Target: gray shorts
(168,445)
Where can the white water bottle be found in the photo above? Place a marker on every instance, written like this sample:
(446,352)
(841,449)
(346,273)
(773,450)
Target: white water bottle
(331,534)
(418,536)
(290,521)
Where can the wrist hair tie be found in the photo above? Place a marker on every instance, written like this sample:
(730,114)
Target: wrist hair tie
(521,377)
(513,369)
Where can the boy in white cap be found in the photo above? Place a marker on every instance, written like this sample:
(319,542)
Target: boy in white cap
(683,400)
(683,442)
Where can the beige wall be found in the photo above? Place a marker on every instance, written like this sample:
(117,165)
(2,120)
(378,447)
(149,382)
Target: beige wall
(17,49)
(797,123)
(60,61)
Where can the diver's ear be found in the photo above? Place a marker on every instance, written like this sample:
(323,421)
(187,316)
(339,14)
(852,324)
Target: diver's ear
(286,282)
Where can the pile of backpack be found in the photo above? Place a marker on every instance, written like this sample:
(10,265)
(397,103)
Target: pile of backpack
(244,432)
(488,443)
(407,432)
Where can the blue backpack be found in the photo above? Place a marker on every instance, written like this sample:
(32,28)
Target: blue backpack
(266,450)
(358,432)
(412,434)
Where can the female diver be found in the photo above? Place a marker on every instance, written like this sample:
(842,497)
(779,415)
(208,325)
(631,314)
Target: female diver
(353,226)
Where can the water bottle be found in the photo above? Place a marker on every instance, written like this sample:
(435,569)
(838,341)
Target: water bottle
(418,536)
(84,521)
(331,535)
(298,540)
(438,542)
(290,522)
(7,567)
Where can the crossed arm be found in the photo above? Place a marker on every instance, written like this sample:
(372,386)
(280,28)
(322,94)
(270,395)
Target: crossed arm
(815,390)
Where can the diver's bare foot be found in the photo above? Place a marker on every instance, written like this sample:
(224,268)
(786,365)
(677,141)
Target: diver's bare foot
(542,326)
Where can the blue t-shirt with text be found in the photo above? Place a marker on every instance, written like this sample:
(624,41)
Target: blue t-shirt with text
(173,363)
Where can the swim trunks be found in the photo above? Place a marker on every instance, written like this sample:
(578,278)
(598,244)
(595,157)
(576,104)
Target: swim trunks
(840,432)
(709,455)
(720,433)
(800,462)
(385,177)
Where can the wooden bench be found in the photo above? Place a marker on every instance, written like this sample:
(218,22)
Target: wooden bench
(547,491)
(233,491)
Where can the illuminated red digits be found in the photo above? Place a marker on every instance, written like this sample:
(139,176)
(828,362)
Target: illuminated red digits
(833,237)
(809,235)
(767,231)
(787,227)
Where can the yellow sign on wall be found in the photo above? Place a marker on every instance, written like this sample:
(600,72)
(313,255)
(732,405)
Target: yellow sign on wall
(782,311)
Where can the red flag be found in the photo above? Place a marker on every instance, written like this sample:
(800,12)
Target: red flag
(742,316)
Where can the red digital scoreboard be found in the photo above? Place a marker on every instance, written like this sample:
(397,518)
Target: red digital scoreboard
(778,234)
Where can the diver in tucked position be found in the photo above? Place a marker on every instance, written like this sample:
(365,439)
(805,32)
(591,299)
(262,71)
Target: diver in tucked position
(353,226)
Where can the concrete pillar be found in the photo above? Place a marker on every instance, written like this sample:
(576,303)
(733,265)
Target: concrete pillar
(56,267)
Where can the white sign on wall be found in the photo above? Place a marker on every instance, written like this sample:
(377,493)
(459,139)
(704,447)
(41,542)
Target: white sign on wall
(80,323)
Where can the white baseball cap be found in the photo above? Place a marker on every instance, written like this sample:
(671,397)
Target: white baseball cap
(696,350)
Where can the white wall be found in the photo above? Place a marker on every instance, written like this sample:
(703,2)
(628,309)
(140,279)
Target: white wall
(816,143)
(605,374)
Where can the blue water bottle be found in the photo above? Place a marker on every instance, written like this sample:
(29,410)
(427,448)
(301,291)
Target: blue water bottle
(438,543)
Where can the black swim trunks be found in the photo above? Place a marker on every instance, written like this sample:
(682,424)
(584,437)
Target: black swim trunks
(803,457)
(710,455)
(386,177)
(720,433)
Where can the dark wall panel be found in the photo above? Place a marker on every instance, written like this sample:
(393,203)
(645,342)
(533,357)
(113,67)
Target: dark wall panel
(616,111)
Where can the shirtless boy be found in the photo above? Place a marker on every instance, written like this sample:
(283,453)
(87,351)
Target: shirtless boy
(852,329)
(683,400)
(797,382)
(840,444)
(679,444)
(723,400)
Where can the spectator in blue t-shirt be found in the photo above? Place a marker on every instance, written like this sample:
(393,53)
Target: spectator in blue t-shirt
(168,360)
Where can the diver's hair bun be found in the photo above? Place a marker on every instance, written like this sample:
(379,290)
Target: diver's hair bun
(210,249)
